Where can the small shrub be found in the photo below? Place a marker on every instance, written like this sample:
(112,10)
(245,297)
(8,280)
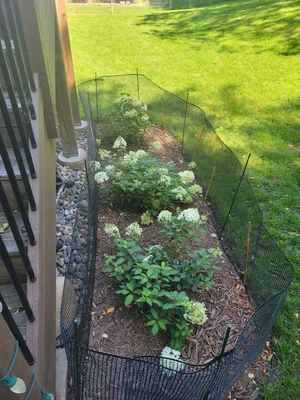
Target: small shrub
(141,179)
(152,279)
(127,118)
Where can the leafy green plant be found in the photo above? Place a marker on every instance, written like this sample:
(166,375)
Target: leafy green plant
(153,280)
(141,179)
(127,118)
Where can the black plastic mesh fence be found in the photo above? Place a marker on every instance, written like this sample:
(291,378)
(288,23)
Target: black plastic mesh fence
(233,204)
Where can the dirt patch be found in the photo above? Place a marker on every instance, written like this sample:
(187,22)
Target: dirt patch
(120,330)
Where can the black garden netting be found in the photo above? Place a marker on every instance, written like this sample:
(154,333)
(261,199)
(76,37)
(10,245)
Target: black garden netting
(269,274)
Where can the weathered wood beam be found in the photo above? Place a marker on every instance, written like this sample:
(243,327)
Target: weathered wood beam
(67,55)
(64,109)
(41,334)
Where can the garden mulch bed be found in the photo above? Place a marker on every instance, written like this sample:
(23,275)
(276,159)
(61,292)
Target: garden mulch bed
(121,330)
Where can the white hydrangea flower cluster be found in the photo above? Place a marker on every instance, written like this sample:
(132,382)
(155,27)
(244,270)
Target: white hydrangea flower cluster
(104,153)
(148,258)
(187,176)
(120,143)
(192,165)
(101,177)
(156,247)
(137,103)
(134,229)
(131,114)
(195,312)
(132,157)
(189,215)
(112,230)
(180,193)
(164,216)
(163,171)
(145,118)
(195,189)
(95,164)
(170,359)
(165,180)
(110,169)
(141,153)
(146,218)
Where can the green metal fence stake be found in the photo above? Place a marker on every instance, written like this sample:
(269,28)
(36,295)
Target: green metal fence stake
(225,342)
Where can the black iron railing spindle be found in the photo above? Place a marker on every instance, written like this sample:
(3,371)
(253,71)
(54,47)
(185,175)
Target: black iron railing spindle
(16,332)
(16,190)
(15,74)
(16,233)
(14,103)
(23,44)
(16,148)
(19,57)
(15,279)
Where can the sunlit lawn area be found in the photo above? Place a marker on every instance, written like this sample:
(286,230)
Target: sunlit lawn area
(239,61)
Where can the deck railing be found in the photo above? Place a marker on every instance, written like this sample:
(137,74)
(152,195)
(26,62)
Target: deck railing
(15,91)
(38,102)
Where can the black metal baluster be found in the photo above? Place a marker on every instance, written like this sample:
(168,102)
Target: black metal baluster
(19,57)
(23,45)
(16,332)
(17,151)
(16,233)
(13,100)
(15,74)
(15,279)
(17,193)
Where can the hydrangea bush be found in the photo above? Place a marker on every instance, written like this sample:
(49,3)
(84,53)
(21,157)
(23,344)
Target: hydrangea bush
(159,277)
(139,178)
(127,118)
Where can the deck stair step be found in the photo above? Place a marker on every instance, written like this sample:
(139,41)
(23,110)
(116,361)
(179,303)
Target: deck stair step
(14,304)
(5,181)
(12,249)
(3,129)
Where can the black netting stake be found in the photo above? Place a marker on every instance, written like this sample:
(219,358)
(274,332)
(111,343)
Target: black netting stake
(225,342)
(138,83)
(184,120)
(210,182)
(96,84)
(247,252)
(206,396)
(76,357)
(234,197)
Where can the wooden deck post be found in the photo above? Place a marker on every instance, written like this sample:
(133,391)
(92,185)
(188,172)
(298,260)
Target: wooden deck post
(20,368)
(67,56)
(41,334)
(64,109)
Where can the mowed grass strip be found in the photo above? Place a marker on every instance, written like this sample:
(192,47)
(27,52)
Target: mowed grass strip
(239,61)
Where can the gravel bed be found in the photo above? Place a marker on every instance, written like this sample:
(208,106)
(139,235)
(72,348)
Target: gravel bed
(68,185)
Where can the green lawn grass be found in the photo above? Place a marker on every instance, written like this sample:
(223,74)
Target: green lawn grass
(239,61)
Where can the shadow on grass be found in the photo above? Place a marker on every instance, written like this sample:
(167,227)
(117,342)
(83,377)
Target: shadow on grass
(271,25)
